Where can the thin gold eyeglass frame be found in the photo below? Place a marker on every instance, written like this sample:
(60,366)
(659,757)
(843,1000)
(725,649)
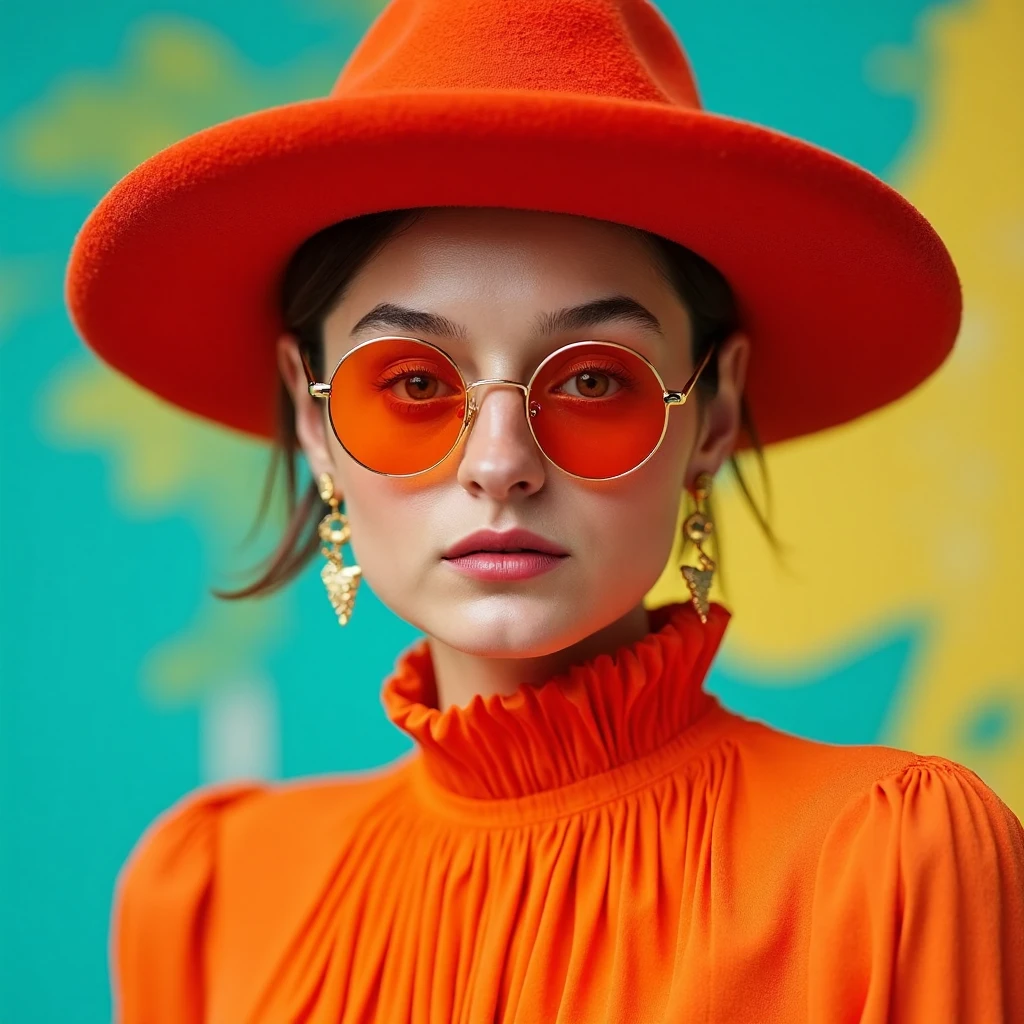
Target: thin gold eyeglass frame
(672,399)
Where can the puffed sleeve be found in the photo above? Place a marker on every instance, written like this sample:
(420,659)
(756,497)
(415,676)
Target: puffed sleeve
(918,912)
(160,900)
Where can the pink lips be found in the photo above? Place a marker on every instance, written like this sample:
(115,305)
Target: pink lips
(512,555)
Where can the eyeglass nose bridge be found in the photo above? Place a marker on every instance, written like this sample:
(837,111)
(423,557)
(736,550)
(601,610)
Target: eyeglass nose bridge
(471,404)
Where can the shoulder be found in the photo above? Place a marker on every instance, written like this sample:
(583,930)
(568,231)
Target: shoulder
(918,905)
(193,831)
(206,856)
(934,815)
(804,781)
(178,844)
(306,823)
(891,832)
(159,901)
(820,791)
(907,871)
(838,768)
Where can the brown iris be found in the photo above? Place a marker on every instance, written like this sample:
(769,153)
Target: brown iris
(420,387)
(592,385)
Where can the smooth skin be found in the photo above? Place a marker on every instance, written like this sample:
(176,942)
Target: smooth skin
(493,273)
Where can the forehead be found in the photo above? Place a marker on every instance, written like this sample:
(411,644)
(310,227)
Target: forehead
(488,268)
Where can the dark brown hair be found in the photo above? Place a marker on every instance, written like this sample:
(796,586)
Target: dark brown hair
(314,282)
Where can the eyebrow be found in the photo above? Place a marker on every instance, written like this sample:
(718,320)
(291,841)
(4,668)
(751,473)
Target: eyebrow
(614,308)
(391,317)
(620,308)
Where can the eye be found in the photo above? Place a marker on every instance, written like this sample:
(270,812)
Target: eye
(591,384)
(418,387)
(412,382)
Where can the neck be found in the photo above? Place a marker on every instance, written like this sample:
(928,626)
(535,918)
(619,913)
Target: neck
(461,676)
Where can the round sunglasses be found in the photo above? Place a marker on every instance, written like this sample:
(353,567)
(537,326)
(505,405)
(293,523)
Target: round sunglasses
(597,409)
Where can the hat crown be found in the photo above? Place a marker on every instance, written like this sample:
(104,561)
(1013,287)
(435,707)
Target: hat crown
(612,48)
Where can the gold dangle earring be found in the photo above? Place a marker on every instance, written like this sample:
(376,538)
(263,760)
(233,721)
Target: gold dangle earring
(698,528)
(341,580)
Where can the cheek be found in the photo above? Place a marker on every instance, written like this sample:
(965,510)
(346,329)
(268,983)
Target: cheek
(638,520)
(627,528)
(632,532)
(375,517)
(392,536)
(383,521)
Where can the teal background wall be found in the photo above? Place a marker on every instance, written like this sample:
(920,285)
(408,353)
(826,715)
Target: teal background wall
(125,684)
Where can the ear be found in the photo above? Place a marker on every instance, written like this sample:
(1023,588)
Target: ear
(721,414)
(311,420)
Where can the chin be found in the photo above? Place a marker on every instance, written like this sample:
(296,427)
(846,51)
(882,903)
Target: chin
(509,625)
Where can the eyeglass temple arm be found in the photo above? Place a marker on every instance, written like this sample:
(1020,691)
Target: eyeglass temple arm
(316,389)
(679,397)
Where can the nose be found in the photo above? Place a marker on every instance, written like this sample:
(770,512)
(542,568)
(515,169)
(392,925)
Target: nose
(500,458)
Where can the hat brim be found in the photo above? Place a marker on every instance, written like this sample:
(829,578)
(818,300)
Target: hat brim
(849,295)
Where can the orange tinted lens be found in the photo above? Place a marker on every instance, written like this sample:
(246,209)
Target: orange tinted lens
(397,406)
(597,410)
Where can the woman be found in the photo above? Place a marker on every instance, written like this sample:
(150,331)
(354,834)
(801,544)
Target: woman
(512,292)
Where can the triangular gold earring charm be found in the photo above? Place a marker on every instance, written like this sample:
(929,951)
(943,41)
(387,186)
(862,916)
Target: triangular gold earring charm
(342,582)
(699,583)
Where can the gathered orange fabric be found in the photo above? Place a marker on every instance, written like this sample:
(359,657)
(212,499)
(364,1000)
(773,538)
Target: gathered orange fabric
(613,845)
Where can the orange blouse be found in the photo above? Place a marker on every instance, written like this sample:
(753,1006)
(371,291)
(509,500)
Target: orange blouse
(611,846)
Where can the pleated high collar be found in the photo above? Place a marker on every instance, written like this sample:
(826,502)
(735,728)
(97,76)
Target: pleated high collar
(611,712)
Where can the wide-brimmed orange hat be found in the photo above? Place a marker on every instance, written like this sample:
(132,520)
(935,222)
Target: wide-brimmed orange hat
(584,107)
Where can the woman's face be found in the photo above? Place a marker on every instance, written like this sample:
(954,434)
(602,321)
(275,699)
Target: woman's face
(494,275)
